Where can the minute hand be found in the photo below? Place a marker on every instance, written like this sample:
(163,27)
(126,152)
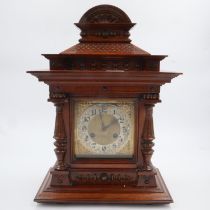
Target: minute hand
(102,122)
(110,124)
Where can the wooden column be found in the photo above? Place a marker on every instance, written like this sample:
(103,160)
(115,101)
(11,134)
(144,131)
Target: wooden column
(146,174)
(60,172)
(60,137)
(147,138)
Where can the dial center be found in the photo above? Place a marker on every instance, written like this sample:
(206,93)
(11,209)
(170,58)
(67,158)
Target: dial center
(104,129)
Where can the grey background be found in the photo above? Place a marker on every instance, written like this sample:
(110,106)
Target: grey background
(179,28)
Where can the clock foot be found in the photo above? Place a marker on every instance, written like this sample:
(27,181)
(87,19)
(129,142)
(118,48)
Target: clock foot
(103,194)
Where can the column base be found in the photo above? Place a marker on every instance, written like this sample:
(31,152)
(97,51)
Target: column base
(103,193)
(59,178)
(147,178)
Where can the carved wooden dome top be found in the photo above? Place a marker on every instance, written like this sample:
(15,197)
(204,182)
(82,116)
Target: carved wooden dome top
(105,31)
(105,23)
(104,14)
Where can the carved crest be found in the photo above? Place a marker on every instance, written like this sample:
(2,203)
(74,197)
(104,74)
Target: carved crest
(105,23)
(104,14)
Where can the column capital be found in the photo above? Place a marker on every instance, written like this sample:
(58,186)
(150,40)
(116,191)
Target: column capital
(57,97)
(150,98)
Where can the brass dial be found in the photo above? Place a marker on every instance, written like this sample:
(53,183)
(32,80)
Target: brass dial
(104,129)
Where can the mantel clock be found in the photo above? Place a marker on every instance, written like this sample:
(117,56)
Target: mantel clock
(104,89)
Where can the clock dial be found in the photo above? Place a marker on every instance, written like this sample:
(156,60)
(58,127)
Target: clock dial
(104,128)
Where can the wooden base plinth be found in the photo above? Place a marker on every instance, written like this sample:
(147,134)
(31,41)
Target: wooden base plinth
(103,194)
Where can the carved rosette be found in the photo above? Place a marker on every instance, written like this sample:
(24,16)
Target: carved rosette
(60,178)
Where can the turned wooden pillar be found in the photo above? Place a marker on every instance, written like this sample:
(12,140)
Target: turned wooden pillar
(146,174)
(60,171)
(60,137)
(147,138)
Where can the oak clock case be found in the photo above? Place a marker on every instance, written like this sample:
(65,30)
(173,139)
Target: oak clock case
(104,90)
